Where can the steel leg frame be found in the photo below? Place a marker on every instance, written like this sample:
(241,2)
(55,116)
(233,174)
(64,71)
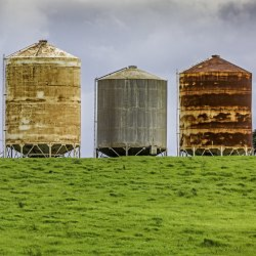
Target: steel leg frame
(245,151)
(11,152)
(99,154)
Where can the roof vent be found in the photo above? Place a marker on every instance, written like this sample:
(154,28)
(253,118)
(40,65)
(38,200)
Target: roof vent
(216,56)
(132,66)
(42,41)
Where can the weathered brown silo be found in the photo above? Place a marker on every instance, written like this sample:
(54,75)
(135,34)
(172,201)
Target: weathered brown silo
(42,116)
(215,109)
(131,113)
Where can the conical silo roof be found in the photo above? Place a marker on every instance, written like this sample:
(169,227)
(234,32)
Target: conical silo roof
(131,72)
(41,49)
(215,64)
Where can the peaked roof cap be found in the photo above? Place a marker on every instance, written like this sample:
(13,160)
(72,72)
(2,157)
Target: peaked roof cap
(215,64)
(130,72)
(41,49)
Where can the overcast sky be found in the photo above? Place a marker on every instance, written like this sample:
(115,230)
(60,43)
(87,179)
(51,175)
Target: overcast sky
(159,36)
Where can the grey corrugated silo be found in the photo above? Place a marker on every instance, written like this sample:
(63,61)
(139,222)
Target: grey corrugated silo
(131,113)
(42,116)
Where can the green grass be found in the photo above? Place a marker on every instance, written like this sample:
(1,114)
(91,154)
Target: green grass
(128,206)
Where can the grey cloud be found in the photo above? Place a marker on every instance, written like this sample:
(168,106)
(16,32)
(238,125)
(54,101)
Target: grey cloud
(241,13)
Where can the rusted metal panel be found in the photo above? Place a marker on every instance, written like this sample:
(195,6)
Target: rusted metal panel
(132,113)
(215,108)
(43,100)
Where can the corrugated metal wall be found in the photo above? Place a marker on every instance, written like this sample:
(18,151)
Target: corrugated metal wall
(215,109)
(132,115)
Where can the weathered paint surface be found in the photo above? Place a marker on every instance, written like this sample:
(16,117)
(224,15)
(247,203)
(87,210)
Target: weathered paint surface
(215,108)
(43,100)
(132,113)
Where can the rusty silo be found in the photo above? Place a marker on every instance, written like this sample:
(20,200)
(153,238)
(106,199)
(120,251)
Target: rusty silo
(42,113)
(131,113)
(215,109)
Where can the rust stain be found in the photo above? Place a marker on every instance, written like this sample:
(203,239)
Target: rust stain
(215,107)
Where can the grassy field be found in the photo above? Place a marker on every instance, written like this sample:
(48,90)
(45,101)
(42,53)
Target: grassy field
(128,206)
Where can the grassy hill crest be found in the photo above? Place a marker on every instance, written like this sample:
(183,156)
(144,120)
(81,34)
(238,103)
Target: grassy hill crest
(128,206)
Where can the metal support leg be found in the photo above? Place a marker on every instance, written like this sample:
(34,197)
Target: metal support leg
(140,151)
(114,151)
(194,151)
(221,151)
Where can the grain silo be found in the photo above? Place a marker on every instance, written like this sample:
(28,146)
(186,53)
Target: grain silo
(131,116)
(215,109)
(42,102)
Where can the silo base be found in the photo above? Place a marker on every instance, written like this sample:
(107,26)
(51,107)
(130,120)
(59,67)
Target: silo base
(42,150)
(221,151)
(132,151)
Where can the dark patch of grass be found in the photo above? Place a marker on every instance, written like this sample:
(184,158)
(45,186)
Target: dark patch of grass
(21,204)
(212,243)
